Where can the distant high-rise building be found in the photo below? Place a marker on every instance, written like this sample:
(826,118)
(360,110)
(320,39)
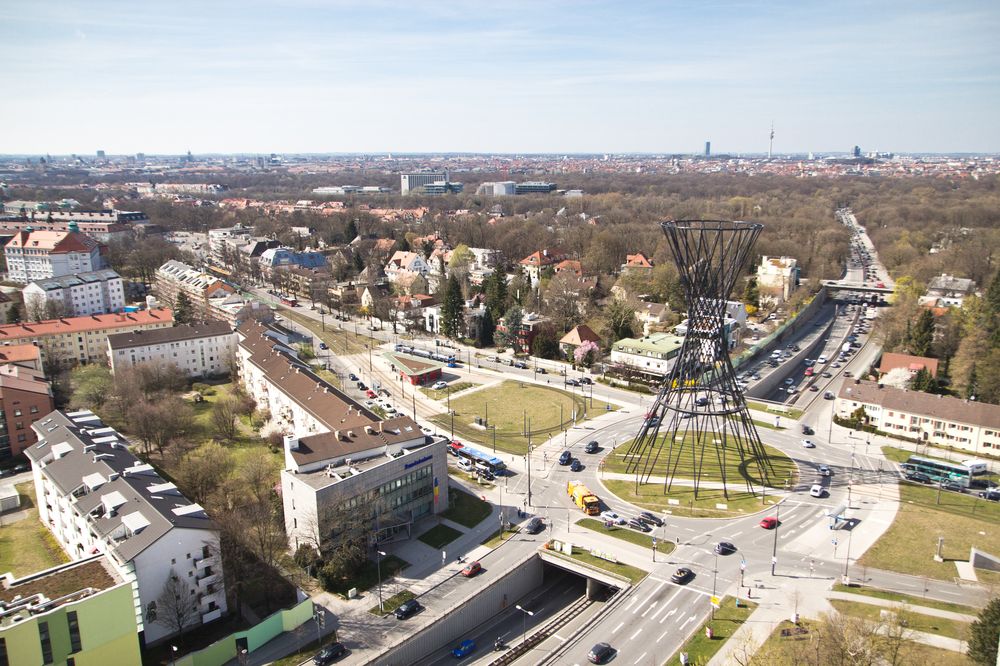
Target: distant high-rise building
(857,151)
(411,181)
(708,148)
(100,154)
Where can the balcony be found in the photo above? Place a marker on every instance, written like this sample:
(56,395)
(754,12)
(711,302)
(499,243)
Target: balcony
(210,561)
(205,600)
(205,581)
(213,615)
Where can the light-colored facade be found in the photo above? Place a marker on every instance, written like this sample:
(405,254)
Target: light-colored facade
(200,350)
(82,611)
(36,255)
(95,497)
(504,188)
(75,340)
(202,289)
(402,262)
(777,277)
(409,182)
(948,291)
(228,239)
(98,292)
(652,355)
(935,419)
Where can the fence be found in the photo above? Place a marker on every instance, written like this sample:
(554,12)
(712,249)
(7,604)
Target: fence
(223,650)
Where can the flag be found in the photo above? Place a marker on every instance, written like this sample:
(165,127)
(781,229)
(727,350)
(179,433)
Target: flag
(436,491)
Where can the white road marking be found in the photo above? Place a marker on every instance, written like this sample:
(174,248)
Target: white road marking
(668,615)
(680,617)
(651,607)
(652,594)
(735,534)
(686,621)
(639,660)
(662,636)
(620,625)
(637,632)
(632,602)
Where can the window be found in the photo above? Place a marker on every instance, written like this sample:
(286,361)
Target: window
(17,412)
(74,631)
(46,642)
(3,652)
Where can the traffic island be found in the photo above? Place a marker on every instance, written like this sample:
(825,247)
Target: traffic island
(627,534)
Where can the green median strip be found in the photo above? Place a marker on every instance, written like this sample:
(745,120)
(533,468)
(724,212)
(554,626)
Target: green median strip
(392,603)
(634,574)
(627,534)
(907,599)
(728,618)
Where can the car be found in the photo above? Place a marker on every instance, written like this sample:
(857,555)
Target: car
(353,377)
(464,649)
(835,365)
(992,495)
(600,653)
(541,371)
(471,569)
(565,458)
(572,382)
(591,447)
(789,381)
(918,477)
(439,386)
(814,388)
(682,575)
(426,430)
(639,525)
(23,467)
(828,395)
(769,523)
(323,345)
(953,486)
(408,608)
(612,517)
(824,470)
(847,373)
(586,380)
(817,490)
(701,401)
(521,365)
(724,548)
(575,466)
(827,374)
(361,386)
(792,389)
(485,474)
(369,403)
(371,394)
(535,525)
(329,654)
(648,517)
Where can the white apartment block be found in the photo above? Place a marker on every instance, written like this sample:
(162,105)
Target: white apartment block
(97,292)
(200,350)
(933,419)
(777,277)
(36,255)
(232,238)
(95,497)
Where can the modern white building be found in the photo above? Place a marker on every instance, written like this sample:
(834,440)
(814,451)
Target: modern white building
(96,292)
(505,188)
(200,350)
(412,181)
(405,261)
(227,238)
(651,356)
(777,277)
(948,291)
(95,497)
(36,255)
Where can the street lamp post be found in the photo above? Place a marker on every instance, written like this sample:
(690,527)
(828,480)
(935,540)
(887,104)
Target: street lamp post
(378,563)
(524,621)
(715,575)
(774,548)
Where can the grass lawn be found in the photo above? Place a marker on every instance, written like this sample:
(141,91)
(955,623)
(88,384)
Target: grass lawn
(26,546)
(908,599)
(367,578)
(792,412)
(627,534)
(443,393)
(767,424)
(650,496)
(495,539)
(339,341)
(728,618)
(915,621)
(910,543)
(509,404)
(392,603)
(439,536)
(634,574)
(783,468)
(465,509)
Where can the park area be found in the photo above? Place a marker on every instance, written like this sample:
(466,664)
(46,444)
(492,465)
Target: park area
(511,406)
(26,546)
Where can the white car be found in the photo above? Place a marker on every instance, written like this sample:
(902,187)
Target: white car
(808,443)
(613,517)
(817,491)
(439,386)
(789,381)
(792,389)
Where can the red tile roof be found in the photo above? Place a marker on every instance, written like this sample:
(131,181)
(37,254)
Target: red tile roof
(56,242)
(82,324)
(19,353)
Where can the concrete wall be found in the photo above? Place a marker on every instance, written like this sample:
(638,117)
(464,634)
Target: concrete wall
(782,334)
(462,619)
(777,377)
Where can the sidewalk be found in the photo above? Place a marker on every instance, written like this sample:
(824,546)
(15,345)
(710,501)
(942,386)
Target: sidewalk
(886,603)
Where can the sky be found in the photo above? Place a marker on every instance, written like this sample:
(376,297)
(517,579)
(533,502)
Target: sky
(499,77)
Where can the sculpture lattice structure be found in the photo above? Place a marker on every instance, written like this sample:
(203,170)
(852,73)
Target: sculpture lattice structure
(700,411)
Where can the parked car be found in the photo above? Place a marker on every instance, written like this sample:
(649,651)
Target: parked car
(471,569)
(769,523)
(565,458)
(464,649)
(682,575)
(725,548)
(612,517)
(648,517)
(600,653)
(639,525)
(591,447)
(575,466)
(329,654)
(408,608)
(535,525)
(439,386)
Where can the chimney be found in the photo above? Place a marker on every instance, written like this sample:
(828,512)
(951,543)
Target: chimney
(380,426)
(336,433)
(291,442)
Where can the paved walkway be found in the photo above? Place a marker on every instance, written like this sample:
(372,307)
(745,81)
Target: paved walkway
(886,603)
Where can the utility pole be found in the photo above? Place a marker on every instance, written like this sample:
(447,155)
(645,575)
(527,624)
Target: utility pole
(774,548)
(528,458)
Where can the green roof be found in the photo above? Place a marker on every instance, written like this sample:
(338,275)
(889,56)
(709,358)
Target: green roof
(663,345)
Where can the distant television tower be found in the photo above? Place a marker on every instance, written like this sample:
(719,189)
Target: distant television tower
(770,144)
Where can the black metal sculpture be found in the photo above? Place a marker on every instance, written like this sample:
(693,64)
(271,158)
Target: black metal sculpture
(700,410)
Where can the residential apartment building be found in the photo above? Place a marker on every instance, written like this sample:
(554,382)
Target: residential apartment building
(76,613)
(401,262)
(339,456)
(175,277)
(25,397)
(95,497)
(283,257)
(651,357)
(948,291)
(200,350)
(933,419)
(228,239)
(777,277)
(104,231)
(96,292)
(536,262)
(75,340)
(25,356)
(36,255)
(411,181)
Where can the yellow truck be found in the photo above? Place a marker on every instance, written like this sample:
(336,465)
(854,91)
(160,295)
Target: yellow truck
(583,498)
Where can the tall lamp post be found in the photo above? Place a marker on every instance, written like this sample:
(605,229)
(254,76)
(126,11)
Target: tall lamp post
(715,575)
(774,548)
(378,563)
(524,622)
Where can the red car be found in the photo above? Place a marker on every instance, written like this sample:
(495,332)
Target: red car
(472,569)
(370,394)
(769,523)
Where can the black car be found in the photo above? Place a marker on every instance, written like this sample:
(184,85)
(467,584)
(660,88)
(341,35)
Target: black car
(591,447)
(535,525)
(919,477)
(600,653)
(575,466)
(682,575)
(565,458)
(361,386)
(650,519)
(992,494)
(637,524)
(953,485)
(541,371)
(408,608)
(521,365)
(353,377)
(586,380)
(724,548)
(572,382)
(806,430)
(323,345)
(329,654)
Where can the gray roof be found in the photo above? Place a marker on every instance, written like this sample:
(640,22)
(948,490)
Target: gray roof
(53,283)
(950,283)
(76,450)
(938,407)
(208,329)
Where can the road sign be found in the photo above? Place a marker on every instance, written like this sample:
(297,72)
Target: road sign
(654,542)
(714,600)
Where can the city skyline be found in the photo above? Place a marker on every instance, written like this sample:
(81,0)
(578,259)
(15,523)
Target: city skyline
(515,77)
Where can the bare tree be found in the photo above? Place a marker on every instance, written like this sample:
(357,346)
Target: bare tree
(176,607)
(225,418)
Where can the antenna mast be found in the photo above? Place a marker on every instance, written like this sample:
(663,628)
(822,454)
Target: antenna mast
(770,144)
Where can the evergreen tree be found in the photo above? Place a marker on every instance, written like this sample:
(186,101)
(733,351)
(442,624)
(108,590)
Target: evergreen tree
(923,334)
(452,310)
(496,293)
(983,634)
(352,230)
(16,313)
(183,310)
(924,381)
(486,329)
(512,325)
(751,294)
(546,342)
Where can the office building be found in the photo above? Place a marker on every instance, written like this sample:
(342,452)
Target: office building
(777,277)
(439,187)
(708,149)
(36,255)
(504,188)
(25,397)
(409,182)
(534,187)
(96,497)
(200,350)
(96,292)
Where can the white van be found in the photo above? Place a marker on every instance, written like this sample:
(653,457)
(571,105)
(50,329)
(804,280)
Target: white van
(816,491)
